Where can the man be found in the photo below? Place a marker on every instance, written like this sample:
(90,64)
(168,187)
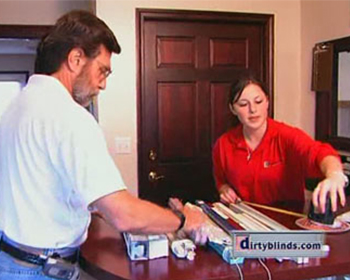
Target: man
(54,166)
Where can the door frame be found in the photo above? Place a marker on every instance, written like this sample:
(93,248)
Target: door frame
(144,15)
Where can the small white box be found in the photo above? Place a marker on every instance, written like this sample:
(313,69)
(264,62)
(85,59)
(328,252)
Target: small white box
(146,247)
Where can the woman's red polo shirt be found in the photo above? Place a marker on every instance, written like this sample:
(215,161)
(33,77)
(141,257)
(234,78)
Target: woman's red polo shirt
(276,170)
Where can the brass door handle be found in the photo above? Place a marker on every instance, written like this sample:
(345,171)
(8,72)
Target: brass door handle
(153,177)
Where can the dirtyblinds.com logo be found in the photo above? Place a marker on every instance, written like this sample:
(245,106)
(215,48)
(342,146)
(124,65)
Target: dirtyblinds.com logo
(279,244)
(244,243)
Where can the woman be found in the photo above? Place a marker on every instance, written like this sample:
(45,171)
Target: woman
(265,161)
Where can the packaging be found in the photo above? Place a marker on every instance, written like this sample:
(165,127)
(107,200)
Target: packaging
(146,247)
(226,252)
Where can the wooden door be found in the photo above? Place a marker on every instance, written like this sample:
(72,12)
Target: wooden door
(187,63)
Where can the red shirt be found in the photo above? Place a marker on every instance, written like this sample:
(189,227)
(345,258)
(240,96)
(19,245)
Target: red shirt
(276,170)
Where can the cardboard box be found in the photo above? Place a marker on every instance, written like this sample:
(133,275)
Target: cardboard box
(146,247)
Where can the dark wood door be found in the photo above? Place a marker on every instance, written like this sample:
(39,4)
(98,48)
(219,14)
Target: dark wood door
(187,63)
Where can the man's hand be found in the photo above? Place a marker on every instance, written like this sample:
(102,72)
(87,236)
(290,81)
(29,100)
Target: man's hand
(195,220)
(333,185)
(195,224)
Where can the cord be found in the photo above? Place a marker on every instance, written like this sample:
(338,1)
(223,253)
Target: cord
(269,277)
(239,271)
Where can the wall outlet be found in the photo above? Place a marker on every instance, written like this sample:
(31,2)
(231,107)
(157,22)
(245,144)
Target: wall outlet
(122,145)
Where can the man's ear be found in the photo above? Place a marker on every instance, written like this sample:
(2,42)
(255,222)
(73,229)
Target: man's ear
(232,109)
(76,60)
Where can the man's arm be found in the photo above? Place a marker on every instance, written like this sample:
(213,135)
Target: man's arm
(125,212)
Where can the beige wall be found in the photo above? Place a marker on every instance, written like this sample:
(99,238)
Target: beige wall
(118,102)
(42,12)
(320,21)
(299,24)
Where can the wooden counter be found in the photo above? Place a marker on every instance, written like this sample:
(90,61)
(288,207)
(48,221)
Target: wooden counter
(104,257)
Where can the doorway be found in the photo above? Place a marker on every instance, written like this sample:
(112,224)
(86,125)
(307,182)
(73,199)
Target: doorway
(17,54)
(187,62)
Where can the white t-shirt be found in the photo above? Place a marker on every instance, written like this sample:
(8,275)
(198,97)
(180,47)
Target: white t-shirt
(53,163)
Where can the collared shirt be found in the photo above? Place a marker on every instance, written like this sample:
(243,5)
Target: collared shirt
(276,170)
(54,162)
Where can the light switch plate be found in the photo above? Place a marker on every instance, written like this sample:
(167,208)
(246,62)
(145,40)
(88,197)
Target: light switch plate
(122,145)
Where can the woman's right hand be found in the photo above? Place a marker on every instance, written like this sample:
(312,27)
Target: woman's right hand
(228,195)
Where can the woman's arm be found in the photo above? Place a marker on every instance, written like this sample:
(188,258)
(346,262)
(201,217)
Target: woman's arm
(318,159)
(227,194)
(333,184)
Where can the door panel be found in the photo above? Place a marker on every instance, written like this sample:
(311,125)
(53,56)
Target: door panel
(176,101)
(168,57)
(188,62)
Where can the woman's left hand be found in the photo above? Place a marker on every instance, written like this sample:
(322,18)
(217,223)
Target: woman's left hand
(333,185)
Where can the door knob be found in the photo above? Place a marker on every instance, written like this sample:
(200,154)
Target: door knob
(153,177)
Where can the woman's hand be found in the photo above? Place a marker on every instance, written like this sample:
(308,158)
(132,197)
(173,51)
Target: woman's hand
(227,194)
(333,185)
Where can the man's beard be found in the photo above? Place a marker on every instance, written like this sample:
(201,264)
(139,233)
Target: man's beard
(82,90)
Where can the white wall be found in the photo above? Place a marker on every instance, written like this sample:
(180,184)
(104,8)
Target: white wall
(343,76)
(344,94)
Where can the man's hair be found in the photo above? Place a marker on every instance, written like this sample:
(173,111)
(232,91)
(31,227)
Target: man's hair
(76,29)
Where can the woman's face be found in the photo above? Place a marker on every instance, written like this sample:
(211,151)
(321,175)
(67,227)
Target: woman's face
(252,107)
